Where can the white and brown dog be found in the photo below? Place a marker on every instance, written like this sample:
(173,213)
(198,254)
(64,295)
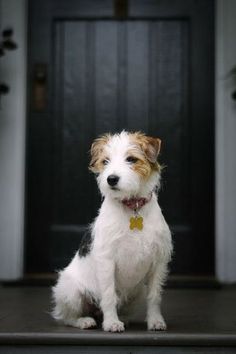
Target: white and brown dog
(127,249)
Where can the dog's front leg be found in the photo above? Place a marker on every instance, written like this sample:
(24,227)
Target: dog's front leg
(155,321)
(106,278)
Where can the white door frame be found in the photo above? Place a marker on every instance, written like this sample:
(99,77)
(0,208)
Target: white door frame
(12,144)
(225,137)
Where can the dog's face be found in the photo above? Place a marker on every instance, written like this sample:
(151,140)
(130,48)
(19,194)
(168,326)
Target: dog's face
(126,164)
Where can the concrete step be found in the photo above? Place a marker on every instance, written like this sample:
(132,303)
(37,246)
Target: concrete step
(198,321)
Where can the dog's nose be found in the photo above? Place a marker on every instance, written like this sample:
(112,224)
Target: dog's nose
(112,180)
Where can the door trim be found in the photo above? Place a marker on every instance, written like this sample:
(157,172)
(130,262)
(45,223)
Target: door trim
(225,133)
(224,273)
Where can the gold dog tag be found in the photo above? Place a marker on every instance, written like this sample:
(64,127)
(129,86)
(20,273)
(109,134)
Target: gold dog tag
(136,222)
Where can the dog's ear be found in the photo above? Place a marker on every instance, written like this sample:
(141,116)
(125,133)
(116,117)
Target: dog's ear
(151,148)
(96,152)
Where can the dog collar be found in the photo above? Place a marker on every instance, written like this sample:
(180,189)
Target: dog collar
(135,204)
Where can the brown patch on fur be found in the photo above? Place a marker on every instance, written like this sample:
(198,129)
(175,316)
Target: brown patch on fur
(142,166)
(147,156)
(97,153)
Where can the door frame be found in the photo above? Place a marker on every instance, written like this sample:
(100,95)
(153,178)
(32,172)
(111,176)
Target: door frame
(224,242)
(225,147)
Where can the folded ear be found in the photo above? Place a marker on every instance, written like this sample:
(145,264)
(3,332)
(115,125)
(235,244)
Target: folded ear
(96,152)
(152,148)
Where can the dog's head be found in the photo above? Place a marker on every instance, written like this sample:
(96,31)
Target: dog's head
(126,164)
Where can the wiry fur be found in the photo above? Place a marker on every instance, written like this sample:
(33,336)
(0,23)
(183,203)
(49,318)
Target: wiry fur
(122,265)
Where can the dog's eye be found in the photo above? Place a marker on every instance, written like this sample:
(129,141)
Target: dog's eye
(105,162)
(131,159)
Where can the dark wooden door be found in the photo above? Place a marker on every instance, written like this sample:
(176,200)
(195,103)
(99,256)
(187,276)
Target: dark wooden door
(99,66)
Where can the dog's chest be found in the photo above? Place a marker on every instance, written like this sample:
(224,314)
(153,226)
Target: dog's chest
(134,255)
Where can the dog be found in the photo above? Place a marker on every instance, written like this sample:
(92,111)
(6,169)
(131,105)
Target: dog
(126,251)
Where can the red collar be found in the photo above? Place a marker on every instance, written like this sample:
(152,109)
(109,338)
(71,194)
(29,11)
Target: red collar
(136,203)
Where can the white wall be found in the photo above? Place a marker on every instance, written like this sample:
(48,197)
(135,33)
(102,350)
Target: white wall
(225,142)
(12,143)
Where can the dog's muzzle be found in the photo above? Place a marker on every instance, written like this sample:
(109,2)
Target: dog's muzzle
(112,180)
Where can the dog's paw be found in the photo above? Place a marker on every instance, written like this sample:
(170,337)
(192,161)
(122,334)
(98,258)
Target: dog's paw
(113,326)
(85,323)
(157,325)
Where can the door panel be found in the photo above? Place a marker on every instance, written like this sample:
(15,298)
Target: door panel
(105,75)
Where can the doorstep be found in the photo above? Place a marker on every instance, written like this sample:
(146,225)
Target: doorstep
(196,318)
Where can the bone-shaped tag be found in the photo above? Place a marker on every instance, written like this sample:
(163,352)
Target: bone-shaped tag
(136,223)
